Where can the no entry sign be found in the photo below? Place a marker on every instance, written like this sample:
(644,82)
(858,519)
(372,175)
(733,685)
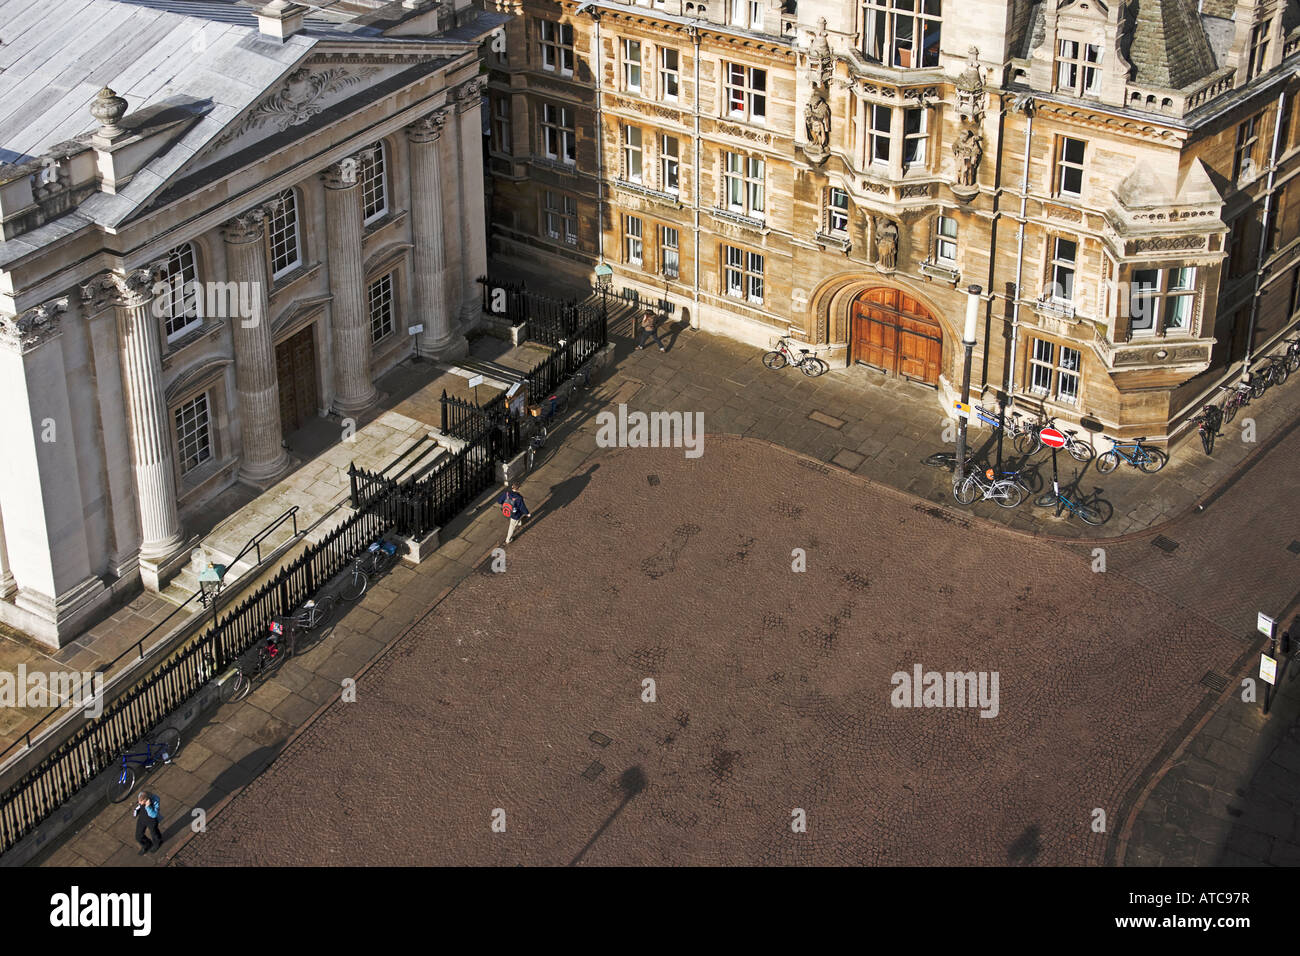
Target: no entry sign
(1052,438)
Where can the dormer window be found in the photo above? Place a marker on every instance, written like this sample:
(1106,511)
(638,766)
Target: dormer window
(1078,68)
(902,33)
(1258,49)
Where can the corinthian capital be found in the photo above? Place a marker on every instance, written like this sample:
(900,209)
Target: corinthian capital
(428,128)
(131,288)
(467,94)
(29,329)
(245,227)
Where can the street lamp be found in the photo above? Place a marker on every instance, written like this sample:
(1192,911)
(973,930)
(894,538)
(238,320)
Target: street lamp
(210,581)
(604,280)
(968,343)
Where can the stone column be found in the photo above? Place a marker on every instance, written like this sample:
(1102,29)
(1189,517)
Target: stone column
(8,586)
(256,384)
(350,314)
(472,201)
(441,337)
(140,356)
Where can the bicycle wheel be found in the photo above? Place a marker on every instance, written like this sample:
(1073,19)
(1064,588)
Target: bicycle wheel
(382,561)
(1207,439)
(1094,513)
(1230,409)
(1156,459)
(319,613)
(1009,494)
(1046,500)
(121,786)
(1280,373)
(774,360)
(1026,443)
(1080,450)
(1293,360)
(1108,462)
(1258,385)
(354,586)
(966,492)
(813,366)
(1029,480)
(941,459)
(169,740)
(240,685)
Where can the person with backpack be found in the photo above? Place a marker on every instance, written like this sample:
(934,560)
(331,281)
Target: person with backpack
(647,330)
(513,507)
(146,822)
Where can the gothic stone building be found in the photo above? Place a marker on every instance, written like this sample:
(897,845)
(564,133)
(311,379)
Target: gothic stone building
(215,221)
(1115,177)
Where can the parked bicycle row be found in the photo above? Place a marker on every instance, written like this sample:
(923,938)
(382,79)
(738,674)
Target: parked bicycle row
(1274,370)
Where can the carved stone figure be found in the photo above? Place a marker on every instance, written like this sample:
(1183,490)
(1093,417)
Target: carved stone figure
(968,150)
(886,244)
(820,59)
(817,120)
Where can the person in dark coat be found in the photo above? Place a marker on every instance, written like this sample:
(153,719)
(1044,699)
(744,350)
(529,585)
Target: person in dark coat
(647,331)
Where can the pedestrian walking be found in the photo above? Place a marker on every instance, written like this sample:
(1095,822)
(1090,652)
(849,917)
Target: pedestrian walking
(647,330)
(513,507)
(148,816)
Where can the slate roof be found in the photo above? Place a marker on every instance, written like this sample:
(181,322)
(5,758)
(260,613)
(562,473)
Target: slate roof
(1168,47)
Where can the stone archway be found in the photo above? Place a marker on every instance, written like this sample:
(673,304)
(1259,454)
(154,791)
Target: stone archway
(893,331)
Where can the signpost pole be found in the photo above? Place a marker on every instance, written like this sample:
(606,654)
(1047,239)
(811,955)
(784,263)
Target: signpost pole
(1268,663)
(968,343)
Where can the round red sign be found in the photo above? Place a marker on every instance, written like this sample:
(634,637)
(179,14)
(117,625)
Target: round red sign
(1052,438)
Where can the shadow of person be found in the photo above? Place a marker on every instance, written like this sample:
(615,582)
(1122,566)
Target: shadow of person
(565,493)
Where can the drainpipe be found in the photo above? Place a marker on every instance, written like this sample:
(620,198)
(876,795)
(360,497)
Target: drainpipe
(695,186)
(1024,104)
(1263,238)
(599,130)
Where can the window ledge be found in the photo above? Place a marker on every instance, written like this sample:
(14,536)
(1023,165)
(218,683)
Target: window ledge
(555,165)
(210,327)
(840,240)
(736,217)
(938,270)
(643,190)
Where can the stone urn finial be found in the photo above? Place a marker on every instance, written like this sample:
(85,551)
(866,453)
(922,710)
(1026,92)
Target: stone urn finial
(108,108)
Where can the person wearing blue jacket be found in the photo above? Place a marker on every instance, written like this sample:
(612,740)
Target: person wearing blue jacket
(513,507)
(148,815)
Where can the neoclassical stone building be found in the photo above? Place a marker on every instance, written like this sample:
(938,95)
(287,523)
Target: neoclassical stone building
(1116,177)
(215,222)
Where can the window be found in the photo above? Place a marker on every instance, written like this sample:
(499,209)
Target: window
(1161,300)
(558,140)
(837,210)
(902,33)
(632,246)
(670,74)
(282,233)
(557,47)
(560,214)
(632,154)
(914,138)
(1078,69)
(1054,371)
(1243,158)
(669,164)
(669,242)
(878,134)
(1064,254)
(743,274)
(182,304)
(501,141)
(381,307)
(743,184)
(194,433)
(746,92)
(747,14)
(632,66)
(1069,167)
(374,192)
(945,240)
(1258,49)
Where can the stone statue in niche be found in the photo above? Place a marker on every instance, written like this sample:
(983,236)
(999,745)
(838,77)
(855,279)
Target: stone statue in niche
(886,244)
(817,120)
(968,150)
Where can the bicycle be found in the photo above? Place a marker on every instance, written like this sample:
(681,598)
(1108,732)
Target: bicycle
(274,651)
(1292,356)
(376,559)
(1207,425)
(1093,510)
(1273,371)
(1029,441)
(784,354)
(160,747)
(1007,492)
(1238,397)
(1149,460)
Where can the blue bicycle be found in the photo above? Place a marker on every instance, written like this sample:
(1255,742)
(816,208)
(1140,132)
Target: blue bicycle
(1091,510)
(1135,453)
(162,747)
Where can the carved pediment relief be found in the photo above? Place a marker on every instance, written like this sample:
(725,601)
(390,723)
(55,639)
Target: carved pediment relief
(302,95)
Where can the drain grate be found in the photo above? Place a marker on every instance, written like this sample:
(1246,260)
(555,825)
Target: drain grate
(593,771)
(1294,547)
(1165,544)
(599,739)
(1214,681)
(653,479)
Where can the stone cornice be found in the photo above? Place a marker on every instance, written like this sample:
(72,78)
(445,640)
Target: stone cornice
(28,330)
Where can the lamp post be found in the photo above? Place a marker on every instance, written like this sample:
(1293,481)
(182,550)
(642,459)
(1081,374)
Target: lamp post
(604,280)
(968,343)
(210,581)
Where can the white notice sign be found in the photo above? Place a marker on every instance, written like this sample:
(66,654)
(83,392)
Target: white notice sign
(1265,624)
(415,330)
(476,380)
(1268,669)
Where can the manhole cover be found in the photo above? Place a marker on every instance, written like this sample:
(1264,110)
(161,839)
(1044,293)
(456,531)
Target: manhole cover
(1215,682)
(1294,547)
(594,771)
(599,739)
(653,479)
(1165,544)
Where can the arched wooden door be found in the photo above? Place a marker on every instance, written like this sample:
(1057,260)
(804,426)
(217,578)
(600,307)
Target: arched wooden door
(894,332)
